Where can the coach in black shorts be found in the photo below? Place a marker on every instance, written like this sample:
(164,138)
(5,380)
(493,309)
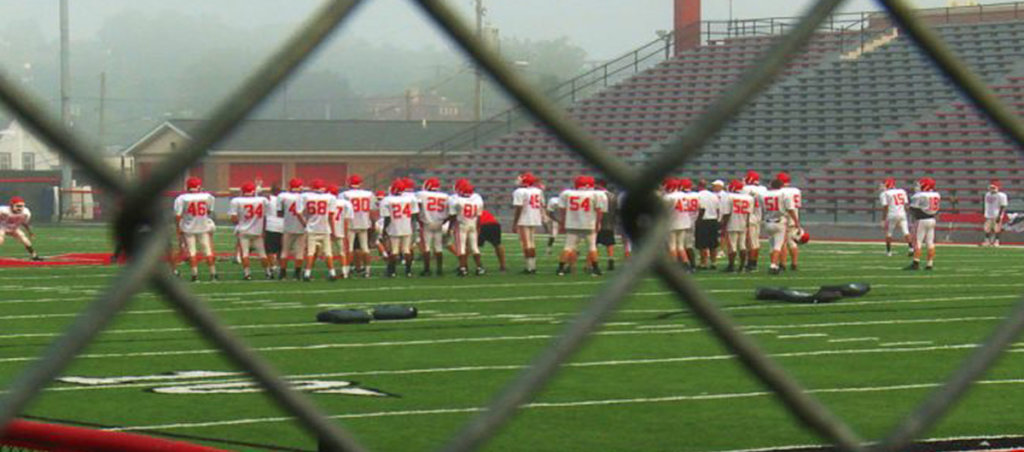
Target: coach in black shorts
(490,232)
(708,231)
(609,221)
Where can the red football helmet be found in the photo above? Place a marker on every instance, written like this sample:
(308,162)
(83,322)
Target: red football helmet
(397,187)
(994,183)
(670,184)
(926,184)
(15,200)
(685,184)
(248,188)
(802,236)
(295,183)
(890,183)
(432,184)
(408,184)
(355,180)
(527,179)
(459,183)
(752,177)
(193,183)
(735,185)
(580,182)
(465,189)
(317,185)
(333,189)
(783,177)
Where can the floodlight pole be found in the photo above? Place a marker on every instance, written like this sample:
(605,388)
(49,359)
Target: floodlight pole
(65,106)
(478,101)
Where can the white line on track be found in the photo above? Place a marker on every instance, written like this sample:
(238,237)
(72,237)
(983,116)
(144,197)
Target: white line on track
(568,404)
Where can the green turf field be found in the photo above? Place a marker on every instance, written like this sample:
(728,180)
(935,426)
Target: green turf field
(652,379)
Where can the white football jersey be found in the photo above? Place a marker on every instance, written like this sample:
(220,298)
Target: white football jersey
(274,221)
(993,202)
(927,201)
(581,208)
(738,207)
(895,202)
(531,200)
(318,209)
(683,209)
(795,196)
(194,210)
(711,203)
(10,221)
(467,209)
(342,215)
(433,206)
(775,205)
(363,202)
(401,209)
(290,206)
(251,212)
(757,192)
(553,206)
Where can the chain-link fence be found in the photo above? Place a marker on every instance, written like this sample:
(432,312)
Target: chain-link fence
(641,214)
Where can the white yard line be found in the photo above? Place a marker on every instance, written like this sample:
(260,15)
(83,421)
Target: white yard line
(567,404)
(801,336)
(855,339)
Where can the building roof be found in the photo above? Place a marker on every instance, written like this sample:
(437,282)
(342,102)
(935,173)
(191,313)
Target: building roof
(271,135)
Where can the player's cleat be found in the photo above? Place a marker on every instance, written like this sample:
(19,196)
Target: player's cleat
(888,253)
(595,271)
(910,253)
(332,278)
(480,271)
(729,269)
(995,243)
(268,275)
(214,277)
(461,271)
(913,266)
(425,273)
(792,267)
(408,274)
(195,278)
(774,271)
(246,277)
(307,279)
(928,267)
(298,273)
(37,258)
(283,274)
(713,267)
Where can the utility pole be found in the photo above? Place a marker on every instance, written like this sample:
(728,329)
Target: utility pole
(478,101)
(65,105)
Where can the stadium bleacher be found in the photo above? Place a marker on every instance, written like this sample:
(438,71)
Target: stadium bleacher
(838,121)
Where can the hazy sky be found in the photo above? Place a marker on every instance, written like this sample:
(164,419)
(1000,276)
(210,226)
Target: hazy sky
(604,28)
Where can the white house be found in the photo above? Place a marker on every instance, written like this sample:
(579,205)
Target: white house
(21,150)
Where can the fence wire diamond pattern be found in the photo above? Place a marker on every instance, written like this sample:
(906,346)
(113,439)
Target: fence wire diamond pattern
(642,217)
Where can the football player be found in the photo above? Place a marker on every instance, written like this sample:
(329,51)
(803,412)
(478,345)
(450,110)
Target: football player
(318,210)
(752,186)
(736,221)
(924,207)
(682,208)
(274,230)
(894,209)
(793,229)
(609,221)
(399,209)
(776,209)
(433,204)
(553,214)
(248,213)
(581,214)
(364,206)
(342,220)
(293,241)
(13,218)
(192,211)
(528,202)
(489,231)
(995,209)
(464,211)
(707,227)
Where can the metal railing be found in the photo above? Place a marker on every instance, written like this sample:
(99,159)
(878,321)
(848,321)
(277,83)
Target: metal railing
(642,216)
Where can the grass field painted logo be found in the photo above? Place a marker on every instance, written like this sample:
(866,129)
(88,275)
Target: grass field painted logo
(196,382)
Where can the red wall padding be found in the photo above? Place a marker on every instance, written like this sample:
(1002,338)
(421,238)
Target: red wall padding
(332,173)
(240,173)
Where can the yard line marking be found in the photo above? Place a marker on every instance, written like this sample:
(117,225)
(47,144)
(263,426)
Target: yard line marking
(855,339)
(900,344)
(572,404)
(799,336)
